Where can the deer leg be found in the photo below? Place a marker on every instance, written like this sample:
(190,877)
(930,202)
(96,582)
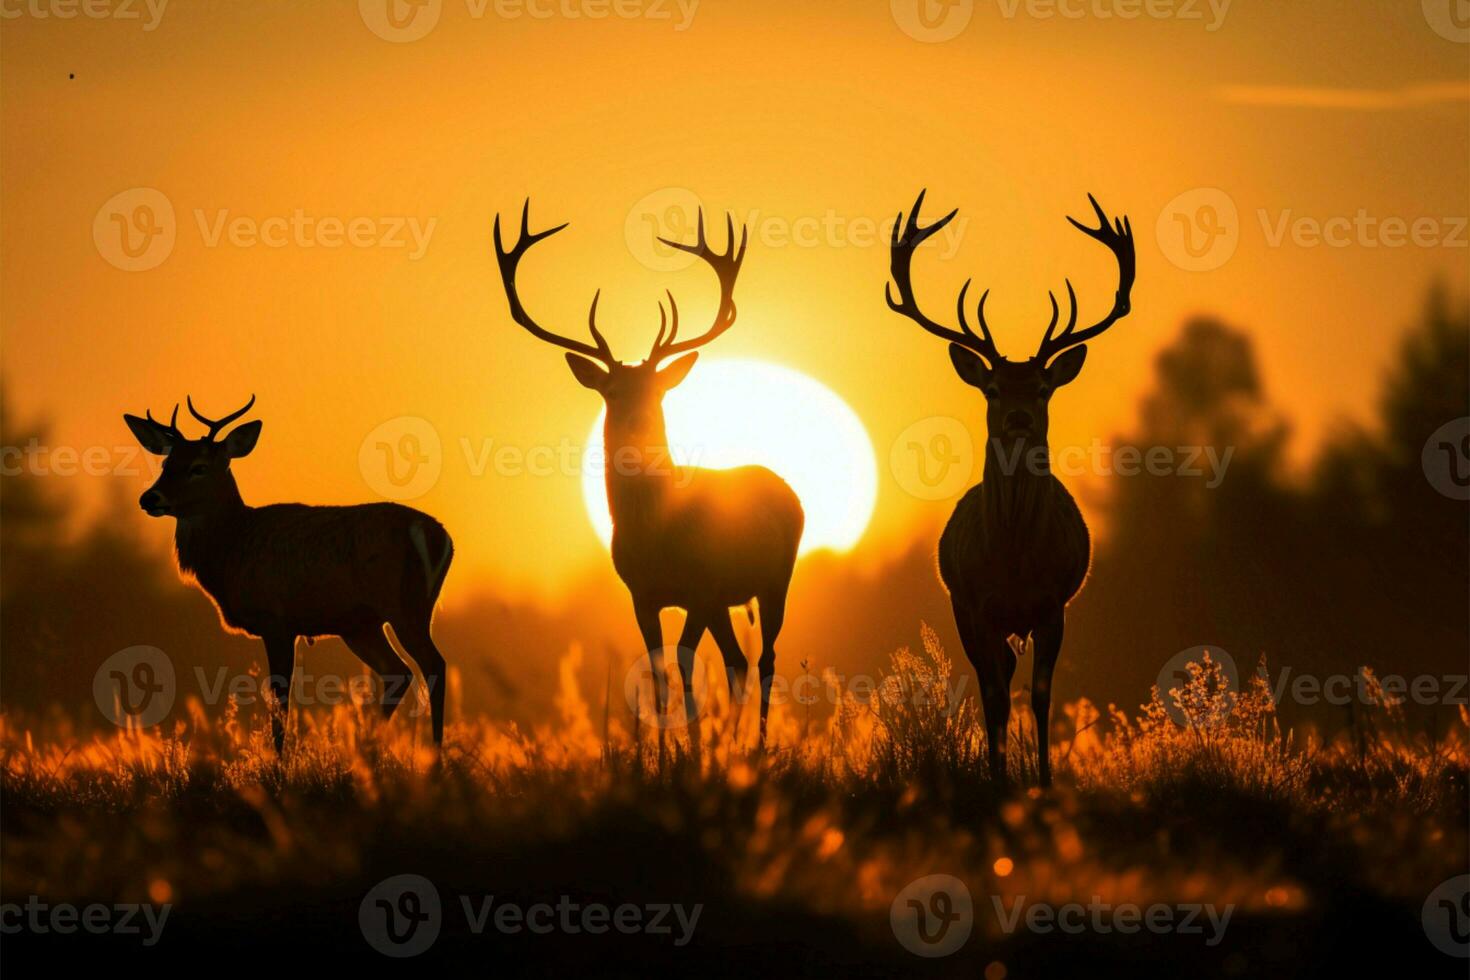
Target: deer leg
(419,645)
(773,615)
(280,654)
(995,691)
(694,627)
(1047,641)
(994,661)
(737,668)
(653,642)
(373,649)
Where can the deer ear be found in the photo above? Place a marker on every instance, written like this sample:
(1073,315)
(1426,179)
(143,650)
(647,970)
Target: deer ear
(242,440)
(676,372)
(152,436)
(589,373)
(1066,367)
(969,366)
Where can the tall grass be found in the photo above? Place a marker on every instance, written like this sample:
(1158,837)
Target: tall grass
(834,815)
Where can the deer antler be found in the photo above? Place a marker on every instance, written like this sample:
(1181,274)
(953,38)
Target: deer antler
(215,425)
(727,267)
(173,423)
(510,259)
(907,236)
(1117,235)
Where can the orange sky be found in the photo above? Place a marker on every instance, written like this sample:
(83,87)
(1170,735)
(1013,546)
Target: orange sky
(819,119)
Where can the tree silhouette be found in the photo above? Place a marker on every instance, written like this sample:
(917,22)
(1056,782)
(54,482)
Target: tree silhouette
(1363,562)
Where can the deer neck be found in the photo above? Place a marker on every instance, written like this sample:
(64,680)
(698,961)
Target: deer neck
(639,471)
(1017,480)
(204,541)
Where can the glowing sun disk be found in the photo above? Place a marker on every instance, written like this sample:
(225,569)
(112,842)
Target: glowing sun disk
(739,412)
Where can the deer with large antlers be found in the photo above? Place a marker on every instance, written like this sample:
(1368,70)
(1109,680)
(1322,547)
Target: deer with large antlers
(290,570)
(697,539)
(1016,549)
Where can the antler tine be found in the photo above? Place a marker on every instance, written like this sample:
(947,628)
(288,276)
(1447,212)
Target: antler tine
(592,327)
(907,236)
(726,266)
(215,425)
(173,422)
(663,322)
(509,260)
(1117,235)
(985,337)
(1056,313)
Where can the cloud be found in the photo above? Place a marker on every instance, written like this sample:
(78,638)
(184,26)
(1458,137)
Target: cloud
(1321,97)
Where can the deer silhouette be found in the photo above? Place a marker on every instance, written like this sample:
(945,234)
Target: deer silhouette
(697,539)
(1016,549)
(290,570)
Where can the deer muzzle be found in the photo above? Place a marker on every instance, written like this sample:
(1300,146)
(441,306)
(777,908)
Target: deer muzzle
(153,503)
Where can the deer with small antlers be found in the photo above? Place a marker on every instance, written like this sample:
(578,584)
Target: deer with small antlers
(290,570)
(1016,549)
(697,539)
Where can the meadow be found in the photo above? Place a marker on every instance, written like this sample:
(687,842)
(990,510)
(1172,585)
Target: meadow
(1270,852)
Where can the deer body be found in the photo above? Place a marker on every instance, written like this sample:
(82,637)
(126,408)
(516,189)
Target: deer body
(315,571)
(700,546)
(1016,549)
(285,571)
(696,539)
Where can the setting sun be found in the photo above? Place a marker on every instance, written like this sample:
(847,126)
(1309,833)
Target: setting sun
(1028,441)
(739,412)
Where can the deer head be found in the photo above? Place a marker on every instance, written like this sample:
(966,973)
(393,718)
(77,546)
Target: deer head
(1017,393)
(196,478)
(633,392)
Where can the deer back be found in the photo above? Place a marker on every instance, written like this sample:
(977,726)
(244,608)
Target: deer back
(309,570)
